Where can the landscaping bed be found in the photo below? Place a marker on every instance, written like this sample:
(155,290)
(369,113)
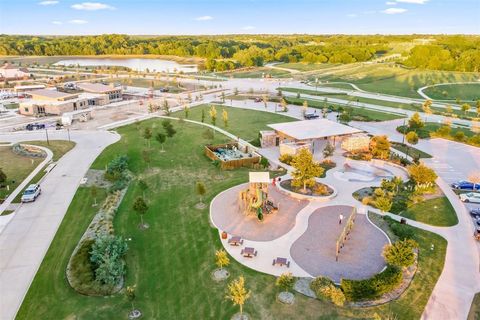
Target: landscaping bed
(318,190)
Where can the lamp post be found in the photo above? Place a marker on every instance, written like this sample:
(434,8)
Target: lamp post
(46,133)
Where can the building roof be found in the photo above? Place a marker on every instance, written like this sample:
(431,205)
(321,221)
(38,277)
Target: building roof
(8,66)
(30,87)
(259,177)
(95,87)
(51,94)
(313,129)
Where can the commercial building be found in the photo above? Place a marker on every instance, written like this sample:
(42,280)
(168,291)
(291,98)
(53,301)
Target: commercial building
(10,72)
(112,93)
(45,102)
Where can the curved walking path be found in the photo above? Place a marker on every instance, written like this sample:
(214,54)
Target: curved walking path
(424,95)
(25,240)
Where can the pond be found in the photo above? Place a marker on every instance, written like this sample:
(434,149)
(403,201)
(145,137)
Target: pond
(138,64)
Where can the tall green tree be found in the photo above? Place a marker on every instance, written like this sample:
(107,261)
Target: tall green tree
(306,169)
(141,208)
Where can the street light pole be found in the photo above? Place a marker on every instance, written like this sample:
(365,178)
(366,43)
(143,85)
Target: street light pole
(68,132)
(46,133)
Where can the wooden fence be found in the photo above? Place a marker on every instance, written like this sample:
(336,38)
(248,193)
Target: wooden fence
(230,164)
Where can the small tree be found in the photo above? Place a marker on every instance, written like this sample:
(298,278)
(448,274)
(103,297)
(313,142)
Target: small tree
(465,108)
(237,293)
(225,118)
(306,169)
(400,253)
(415,122)
(3,177)
(93,193)
(222,96)
(146,157)
(130,295)
(147,135)
(213,115)
(283,103)
(167,125)
(448,109)
(380,147)
(383,203)
(411,138)
(421,174)
(186,110)
(221,259)
(160,137)
(328,150)
(166,107)
(235,91)
(140,207)
(426,106)
(265,100)
(285,281)
(203,115)
(201,190)
(142,184)
(304,107)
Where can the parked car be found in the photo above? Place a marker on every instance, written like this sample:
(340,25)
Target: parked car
(31,193)
(35,126)
(470,197)
(465,185)
(475,212)
(310,116)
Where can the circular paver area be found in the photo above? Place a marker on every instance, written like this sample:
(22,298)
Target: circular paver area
(227,215)
(360,258)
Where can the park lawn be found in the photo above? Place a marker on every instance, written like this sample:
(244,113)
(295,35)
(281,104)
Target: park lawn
(411,151)
(241,122)
(301,66)
(474,313)
(364,113)
(339,85)
(464,92)
(394,80)
(58,147)
(147,83)
(436,212)
(16,167)
(258,73)
(170,263)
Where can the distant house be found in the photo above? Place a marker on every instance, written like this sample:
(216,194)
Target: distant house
(113,94)
(45,102)
(10,72)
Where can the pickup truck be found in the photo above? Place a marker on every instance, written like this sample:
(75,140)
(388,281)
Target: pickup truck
(31,193)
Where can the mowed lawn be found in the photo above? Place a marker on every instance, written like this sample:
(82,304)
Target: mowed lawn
(436,212)
(464,92)
(16,167)
(241,122)
(170,263)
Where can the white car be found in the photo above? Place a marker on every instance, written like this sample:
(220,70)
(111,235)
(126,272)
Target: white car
(31,193)
(470,197)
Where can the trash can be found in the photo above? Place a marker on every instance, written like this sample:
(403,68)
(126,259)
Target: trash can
(403,221)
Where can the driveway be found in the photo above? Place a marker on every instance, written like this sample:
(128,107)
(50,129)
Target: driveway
(25,240)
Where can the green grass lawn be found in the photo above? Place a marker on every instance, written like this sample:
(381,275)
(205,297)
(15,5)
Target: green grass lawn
(474,313)
(436,212)
(338,85)
(171,261)
(16,167)
(363,113)
(464,92)
(411,151)
(147,83)
(258,73)
(241,122)
(391,79)
(300,66)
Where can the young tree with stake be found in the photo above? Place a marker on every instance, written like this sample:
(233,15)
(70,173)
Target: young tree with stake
(140,207)
(237,293)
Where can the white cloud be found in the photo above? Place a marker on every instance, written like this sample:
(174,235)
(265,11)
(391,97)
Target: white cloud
(47,2)
(394,10)
(413,1)
(390,3)
(248,28)
(57,22)
(204,18)
(78,21)
(91,6)
(352,15)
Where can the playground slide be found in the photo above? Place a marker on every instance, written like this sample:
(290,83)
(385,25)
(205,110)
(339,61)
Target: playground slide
(259,201)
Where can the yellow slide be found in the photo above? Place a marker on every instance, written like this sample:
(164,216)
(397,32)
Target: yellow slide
(259,201)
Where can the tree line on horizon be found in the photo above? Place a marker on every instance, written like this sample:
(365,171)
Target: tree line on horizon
(228,52)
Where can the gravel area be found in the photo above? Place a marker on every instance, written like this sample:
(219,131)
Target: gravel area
(228,216)
(360,258)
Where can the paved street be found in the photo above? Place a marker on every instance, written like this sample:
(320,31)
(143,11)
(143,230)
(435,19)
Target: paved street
(25,240)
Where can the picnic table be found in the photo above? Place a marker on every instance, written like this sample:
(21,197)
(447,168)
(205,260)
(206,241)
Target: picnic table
(235,241)
(249,252)
(281,262)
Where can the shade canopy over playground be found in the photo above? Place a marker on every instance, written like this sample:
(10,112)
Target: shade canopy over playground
(259,177)
(312,129)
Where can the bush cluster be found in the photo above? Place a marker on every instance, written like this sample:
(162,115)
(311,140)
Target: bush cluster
(376,286)
(107,261)
(326,290)
(117,173)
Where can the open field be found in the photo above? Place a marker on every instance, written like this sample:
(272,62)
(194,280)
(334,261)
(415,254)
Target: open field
(147,83)
(171,261)
(436,212)
(391,79)
(16,167)
(464,92)
(304,66)
(241,122)
(364,114)
(257,73)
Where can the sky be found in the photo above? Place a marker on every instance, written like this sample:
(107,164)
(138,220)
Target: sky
(190,17)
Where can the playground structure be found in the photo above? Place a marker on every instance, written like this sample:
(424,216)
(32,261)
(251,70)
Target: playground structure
(254,199)
(345,232)
(232,155)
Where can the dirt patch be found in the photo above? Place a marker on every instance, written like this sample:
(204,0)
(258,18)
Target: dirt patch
(96,178)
